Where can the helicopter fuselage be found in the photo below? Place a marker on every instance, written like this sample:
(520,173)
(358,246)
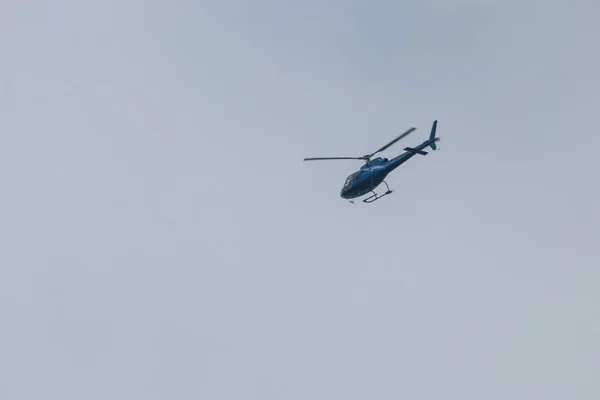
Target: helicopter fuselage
(375,170)
(372,174)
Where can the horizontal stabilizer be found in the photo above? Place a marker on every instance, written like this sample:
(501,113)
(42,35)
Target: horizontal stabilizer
(415,151)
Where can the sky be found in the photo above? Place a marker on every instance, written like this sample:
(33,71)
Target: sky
(163,239)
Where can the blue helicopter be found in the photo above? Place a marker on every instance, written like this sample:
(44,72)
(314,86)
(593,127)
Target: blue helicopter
(373,173)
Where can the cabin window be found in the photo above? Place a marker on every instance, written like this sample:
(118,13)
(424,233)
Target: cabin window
(350,179)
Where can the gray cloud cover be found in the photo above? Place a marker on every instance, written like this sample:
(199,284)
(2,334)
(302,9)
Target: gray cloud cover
(163,239)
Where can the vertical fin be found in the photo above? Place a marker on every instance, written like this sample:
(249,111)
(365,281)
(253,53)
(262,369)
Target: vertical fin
(432,137)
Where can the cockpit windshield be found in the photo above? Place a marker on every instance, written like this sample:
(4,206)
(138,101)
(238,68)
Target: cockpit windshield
(350,180)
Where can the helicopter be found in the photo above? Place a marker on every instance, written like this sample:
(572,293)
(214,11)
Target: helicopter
(375,170)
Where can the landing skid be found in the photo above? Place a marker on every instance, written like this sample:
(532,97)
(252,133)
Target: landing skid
(375,196)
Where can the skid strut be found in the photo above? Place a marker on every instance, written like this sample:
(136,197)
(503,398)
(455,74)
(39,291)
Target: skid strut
(375,196)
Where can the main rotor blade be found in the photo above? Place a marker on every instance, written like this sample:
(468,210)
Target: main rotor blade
(411,130)
(332,158)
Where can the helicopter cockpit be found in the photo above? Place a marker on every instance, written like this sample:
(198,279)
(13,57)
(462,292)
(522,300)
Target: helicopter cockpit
(350,180)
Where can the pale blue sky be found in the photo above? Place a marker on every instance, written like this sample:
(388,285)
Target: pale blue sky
(162,238)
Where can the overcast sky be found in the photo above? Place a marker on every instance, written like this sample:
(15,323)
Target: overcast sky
(162,238)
